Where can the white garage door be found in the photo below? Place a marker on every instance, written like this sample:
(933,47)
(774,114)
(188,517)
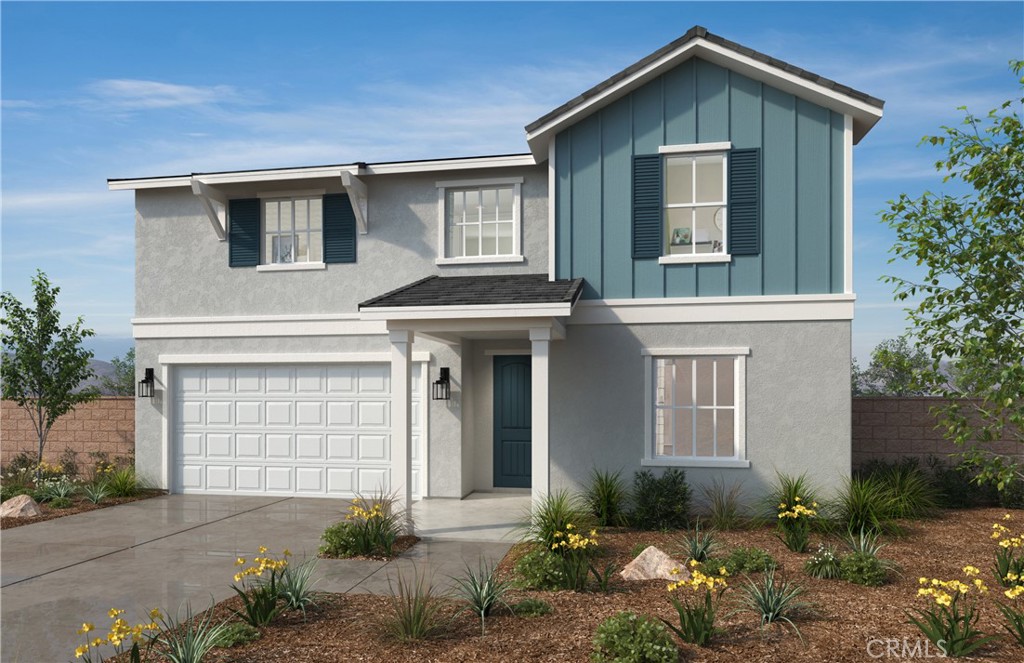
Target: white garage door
(287,430)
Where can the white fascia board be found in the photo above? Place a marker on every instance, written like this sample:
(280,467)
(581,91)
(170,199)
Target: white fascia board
(250,327)
(784,308)
(465,312)
(694,352)
(865,115)
(326,172)
(288,358)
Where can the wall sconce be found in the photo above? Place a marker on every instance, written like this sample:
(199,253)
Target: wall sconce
(442,390)
(146,384)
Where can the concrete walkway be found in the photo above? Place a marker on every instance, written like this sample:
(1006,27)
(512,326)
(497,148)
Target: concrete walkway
(167,550)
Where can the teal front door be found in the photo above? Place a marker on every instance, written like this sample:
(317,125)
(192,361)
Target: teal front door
(512,421)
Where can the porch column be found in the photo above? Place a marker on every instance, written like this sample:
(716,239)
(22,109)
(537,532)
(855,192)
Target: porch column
(401,422)
(540,342)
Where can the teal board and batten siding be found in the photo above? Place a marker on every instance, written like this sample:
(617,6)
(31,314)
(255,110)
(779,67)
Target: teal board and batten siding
(699,102)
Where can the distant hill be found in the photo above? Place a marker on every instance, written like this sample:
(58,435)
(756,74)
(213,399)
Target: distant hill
(103,369)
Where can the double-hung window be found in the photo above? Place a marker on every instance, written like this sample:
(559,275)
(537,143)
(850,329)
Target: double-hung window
(292,231)
(696,407)
(695,203)
(479,221)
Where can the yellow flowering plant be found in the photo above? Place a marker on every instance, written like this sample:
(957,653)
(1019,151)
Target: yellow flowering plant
(701,592)
(1009,554)
(950,618)
(121,636)
(574,549)
(795,523)
(371,528)
(1014,611)
(261,597)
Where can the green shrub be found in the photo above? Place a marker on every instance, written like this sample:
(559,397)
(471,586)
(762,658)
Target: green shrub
(189,640)
(57,487)
(660,503)
(1013,622)
(631,638)
(725,506)
(370,529)
(554,513)
(956,486)
(296,586)
(531,608)
(123,482)
(794,510)
(699,545)
(865,504)
(863,569)
(414,609)
(261,597)
(61,503)
(539,568)
(639,547)
(7,492)
(1012,495)
(606,498)
(773,600)
(95,492)
(824,564)
(912,491)
(482,591)
(237,633)
(743,560)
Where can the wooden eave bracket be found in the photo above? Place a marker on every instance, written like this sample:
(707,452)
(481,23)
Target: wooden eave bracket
(356,190)
(215,204)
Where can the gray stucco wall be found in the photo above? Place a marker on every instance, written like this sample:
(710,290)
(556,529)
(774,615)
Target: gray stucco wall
(797,407)
(182,269)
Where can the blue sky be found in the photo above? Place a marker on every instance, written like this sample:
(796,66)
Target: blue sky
(98,90)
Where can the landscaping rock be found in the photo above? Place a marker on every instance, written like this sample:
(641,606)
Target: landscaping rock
(653,564)
(20,506)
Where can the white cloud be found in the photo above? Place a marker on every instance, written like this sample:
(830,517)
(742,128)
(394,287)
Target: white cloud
(134,95)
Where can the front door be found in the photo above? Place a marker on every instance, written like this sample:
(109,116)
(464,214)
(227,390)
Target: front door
(512,418)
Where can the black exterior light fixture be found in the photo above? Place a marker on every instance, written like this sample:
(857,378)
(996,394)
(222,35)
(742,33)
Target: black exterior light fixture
(442,390)
(146,384)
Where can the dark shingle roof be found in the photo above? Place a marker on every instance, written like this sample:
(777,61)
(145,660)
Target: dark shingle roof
(698,32)
(480,291)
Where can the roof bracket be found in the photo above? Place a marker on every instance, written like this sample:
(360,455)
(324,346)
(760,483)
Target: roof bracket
(356,189)
(215,203)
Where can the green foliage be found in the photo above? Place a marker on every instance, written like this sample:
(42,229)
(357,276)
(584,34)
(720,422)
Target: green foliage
(1009,566)
(957,488)
(296,584)
(414,609)
(1014,623)
(603,576)
(660,503)
(639,547)
(696,620)
(865,504)
(824,564)
(791,504)
(1012,495)
(57,488)
(863,569)
(122,382)
(43,363)
(482,591)
(698,545)
(61,503)
(123,482)
(743,560)
(953,628)
(725,505)
(370,529)
(261,600)
(895,370)
(606,498)
(96,492)
(866,542)
(968,306)
(773,600)
(538,568)
(913,494)
(631,638)
(556,512)
(531,608)
(237,633)
(7,492)
(189,640)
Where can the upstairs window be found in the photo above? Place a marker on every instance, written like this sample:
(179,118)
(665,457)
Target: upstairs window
(695,205)
(292,230)
(480,221)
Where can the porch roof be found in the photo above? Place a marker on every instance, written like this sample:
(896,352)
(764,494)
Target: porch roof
(519,290)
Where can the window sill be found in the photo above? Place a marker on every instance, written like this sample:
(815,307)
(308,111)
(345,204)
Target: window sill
(693,462)
(481,260)
(291,267)
(694,259)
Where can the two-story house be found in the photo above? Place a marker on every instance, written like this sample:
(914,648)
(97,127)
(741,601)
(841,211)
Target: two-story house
(664,279)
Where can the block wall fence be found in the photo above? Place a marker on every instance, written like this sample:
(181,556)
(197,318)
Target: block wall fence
(106,425)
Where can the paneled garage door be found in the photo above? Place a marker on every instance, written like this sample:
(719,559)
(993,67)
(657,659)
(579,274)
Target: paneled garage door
(287,430)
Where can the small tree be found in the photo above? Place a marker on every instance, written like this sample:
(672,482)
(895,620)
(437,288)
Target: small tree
(122,382)
(971,306)
(896,369)
(44,364)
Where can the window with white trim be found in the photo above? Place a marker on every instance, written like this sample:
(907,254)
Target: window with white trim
(695,204)
(480,221)
(292,230)
(696,407)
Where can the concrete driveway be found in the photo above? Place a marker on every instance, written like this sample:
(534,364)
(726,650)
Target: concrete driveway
(166,550)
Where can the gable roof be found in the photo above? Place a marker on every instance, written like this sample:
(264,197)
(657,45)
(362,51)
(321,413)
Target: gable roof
(698,42)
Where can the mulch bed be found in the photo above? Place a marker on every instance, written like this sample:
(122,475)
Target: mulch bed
(80,505)
(845,619)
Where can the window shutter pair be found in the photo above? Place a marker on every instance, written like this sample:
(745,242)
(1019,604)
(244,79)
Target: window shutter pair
(744,216)
(244,231)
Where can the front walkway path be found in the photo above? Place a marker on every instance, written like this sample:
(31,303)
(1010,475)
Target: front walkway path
(166,550)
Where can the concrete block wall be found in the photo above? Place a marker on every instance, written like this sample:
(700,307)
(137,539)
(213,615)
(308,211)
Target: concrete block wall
(105,425)
(889,428)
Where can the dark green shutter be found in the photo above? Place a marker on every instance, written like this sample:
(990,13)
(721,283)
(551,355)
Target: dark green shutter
(647,212)
(745,202)
(244,232)
(339,229)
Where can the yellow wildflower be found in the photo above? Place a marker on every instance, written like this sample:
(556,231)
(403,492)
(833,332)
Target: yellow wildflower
(86,627)
(971,570)
(114,612)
